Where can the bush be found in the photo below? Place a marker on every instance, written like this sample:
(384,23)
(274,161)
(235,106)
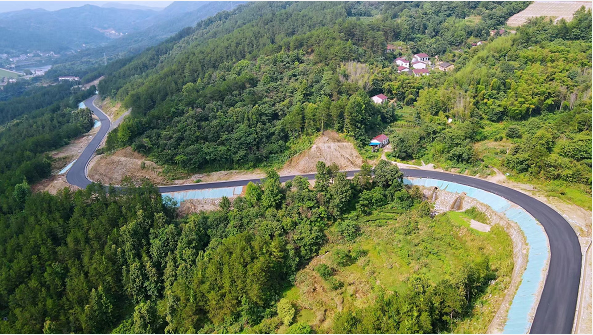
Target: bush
(513,132)
(350,230)
(324,271)
(342,257)
(286,311)
(335,284)
(300,328)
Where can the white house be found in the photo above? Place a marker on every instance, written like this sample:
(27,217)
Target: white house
(402,62)
(379,98)
(419,65)
(69,78)
(420,57)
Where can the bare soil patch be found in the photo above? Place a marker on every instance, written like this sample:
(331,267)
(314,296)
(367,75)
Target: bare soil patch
(53,184)
(328,148)
(113,168)
(199,205)
(554,9)
(479,226)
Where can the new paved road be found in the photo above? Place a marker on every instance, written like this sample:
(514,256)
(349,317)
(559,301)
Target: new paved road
(556,310)
(77,175)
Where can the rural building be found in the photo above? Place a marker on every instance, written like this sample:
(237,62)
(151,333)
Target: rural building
(402,62)
(379,141)
(390,48)
(420,72)
(379,98)
(69,78)
(444,66)
(420,58)
(419,65)
(401,69)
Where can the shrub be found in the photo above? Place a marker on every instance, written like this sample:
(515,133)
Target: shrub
(350,230)
(286,311)
(324,271)
(513,132)
(300,328)
(342,257)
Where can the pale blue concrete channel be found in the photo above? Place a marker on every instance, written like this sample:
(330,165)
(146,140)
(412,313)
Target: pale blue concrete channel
(522,308)
(214,193)
(67,167)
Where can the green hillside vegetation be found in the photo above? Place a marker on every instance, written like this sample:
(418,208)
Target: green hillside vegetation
(402,263)
(33,125)
(91,261)
(222,99)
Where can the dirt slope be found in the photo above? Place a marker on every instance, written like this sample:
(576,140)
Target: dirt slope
(328,148)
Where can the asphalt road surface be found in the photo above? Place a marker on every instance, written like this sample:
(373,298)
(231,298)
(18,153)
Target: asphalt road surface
(77,175)
(556,310)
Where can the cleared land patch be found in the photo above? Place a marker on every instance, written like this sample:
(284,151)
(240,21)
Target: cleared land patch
(557,10)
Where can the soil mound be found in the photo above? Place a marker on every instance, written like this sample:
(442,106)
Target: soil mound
(328,148)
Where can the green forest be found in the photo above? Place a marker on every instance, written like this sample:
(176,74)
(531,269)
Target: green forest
(100,260)
(245,89)
(219,99)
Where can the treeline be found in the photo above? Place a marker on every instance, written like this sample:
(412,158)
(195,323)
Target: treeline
(25,141)
(267,27)
(233,102)
(91,261)
(32,100)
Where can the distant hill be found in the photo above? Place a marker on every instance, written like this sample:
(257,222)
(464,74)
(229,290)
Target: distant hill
(117,27)
(66,29)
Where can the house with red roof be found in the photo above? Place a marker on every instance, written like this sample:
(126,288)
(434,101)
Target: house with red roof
(379,141)
(401,69)
(422,57)
(420,72)
(379,98)
(402,62)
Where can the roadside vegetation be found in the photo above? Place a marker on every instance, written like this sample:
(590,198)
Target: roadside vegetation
(122,262)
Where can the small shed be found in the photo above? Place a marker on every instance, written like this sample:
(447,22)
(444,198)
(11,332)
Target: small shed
(379,98)
(379,141)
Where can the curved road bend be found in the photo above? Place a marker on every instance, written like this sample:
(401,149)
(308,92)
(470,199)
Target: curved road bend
(556,310)
(77,175)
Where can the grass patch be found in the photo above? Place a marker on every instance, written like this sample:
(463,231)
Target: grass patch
(571,193)
(8,74)
(394,247)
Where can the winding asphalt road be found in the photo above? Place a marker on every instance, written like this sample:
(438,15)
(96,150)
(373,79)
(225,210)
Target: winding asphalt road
(556,310)
(77,175)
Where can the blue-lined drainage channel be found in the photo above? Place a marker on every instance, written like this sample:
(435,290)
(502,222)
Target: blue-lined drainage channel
(523,307)
(214,193)
(67,167)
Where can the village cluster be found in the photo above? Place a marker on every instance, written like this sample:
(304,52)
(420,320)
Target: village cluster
(420,65)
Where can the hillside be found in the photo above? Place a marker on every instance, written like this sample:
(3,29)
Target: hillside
(246,90)
(39,30)
(219,98)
